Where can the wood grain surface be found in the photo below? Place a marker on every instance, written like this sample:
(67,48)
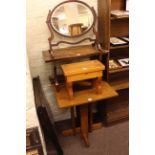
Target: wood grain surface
(82,67)
(84,96)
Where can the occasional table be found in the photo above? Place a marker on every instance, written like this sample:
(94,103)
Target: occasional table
(83,99)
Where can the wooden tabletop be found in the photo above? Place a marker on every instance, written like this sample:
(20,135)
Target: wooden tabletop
(84,96)
(82,67)
(70,53)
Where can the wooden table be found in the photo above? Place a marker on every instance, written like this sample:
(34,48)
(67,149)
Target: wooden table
(90,69)
(83,99)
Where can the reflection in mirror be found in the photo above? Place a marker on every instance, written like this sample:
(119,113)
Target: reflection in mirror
(72,19)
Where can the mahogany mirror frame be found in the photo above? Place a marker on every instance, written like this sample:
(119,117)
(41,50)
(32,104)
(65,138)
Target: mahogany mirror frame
(51,27)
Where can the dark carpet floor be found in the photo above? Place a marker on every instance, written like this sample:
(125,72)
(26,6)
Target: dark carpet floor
(112,140)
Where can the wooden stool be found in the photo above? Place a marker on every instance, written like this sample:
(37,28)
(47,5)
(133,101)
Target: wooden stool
(91,69)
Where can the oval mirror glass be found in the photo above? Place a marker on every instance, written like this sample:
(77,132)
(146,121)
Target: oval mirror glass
(72,19)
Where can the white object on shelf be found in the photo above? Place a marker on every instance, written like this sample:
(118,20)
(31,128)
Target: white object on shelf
(117,41)
(120,13)
(125,38)
(124,62)
(113,65)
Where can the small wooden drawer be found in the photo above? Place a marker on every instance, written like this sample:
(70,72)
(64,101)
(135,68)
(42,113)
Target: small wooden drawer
(84,76)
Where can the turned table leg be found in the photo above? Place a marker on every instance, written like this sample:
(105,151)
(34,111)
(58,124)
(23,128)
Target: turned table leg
(84,123)
(73,120)
(97,84)
(69,87)
(56,83)
(90,117)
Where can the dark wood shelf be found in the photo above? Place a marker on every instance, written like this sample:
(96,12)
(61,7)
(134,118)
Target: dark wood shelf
(115,26)
(119,46)
(120,84)
(118,70)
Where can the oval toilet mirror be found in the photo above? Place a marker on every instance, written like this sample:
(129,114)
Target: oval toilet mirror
(72,18)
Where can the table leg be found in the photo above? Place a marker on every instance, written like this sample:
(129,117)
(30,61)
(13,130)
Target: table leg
(97,84)
(84,123)
(69,87)
(73,120)
(78,116)
(90,117)
(56,83)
